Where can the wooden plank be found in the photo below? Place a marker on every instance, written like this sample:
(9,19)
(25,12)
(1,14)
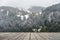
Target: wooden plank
(21,37)
(16,37)
(29,36)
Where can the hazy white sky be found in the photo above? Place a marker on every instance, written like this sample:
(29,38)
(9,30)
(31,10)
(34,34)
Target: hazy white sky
(28,3)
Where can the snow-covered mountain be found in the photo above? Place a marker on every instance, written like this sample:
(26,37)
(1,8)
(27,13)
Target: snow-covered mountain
(14,18)
(36,9)
(52,13)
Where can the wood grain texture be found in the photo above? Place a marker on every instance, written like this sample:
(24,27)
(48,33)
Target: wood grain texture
(29,36)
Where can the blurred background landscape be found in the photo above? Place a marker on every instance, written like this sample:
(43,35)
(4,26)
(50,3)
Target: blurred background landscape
(33,16)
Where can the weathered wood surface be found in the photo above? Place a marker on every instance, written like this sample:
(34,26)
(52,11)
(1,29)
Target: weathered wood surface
(29,36)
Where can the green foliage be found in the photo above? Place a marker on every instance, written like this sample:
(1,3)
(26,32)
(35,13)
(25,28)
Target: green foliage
(51,26)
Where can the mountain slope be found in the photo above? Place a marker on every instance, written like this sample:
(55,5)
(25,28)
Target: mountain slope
(53,8)
(52,12)
(13,19)
(36,9)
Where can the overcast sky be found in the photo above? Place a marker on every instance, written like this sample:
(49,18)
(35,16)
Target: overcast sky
(28,3)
